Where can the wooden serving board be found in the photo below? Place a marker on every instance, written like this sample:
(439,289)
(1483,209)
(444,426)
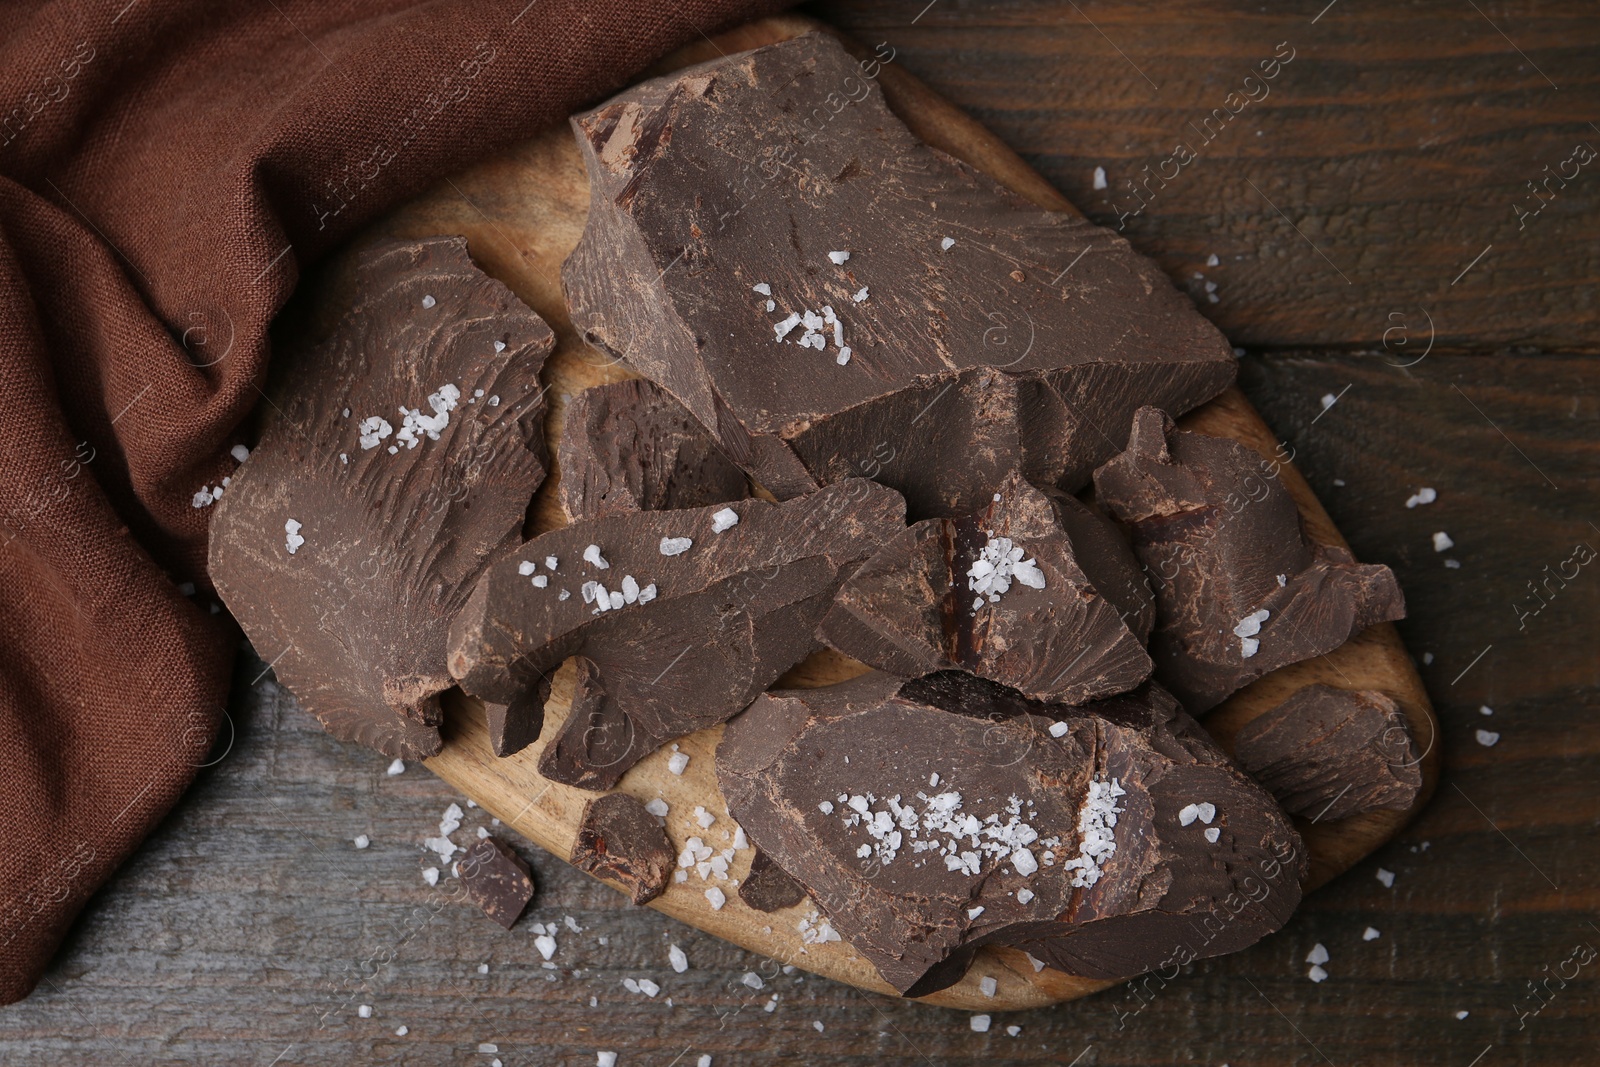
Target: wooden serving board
(522,214)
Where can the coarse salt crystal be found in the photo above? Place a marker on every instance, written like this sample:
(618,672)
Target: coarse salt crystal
(1059,729)
(1318,953)
(1487,738)
(1328,400)
(1316,973)
(1188,814)
(860,295)
(1421,496)
(725,519)
(947,243)
(431,875)
(630,590)
(239,452)
(648,593)
(675,546)
(717,898)
(763,288)
(1206,811)
(1099,177)
(546,945)
(1483,709)
(397,767)
(592,556)
(1370,934)
(541,581)
(1248,646)
(401,1031)
(428,301)
(843,357)
(525,568)
(1462,1015)
(678,762)
(1386,877)
(362,841)
(1442,542)
(372,430)
(551,562)
(658,808)
(988,985)
(1024,862)
(1024,895)
(605,1059)
(753,980)
(365,1011)
(826,807)
(979,1023)
(783,328)
(1212,833)
(838,257)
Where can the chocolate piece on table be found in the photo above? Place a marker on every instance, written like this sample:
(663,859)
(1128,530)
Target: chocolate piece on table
(704,608)
(768,887)
(1006,594)
(1328,753)
(400,460)
(984,334)
(618,839)
(1104,840)
(1239,589)
(496,879)
(628,446)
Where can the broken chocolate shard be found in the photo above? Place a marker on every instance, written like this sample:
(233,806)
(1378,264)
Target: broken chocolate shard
(618,839)
(1239,589)
(768,887)
(1006,594)
(993,819)
(399,462)
(628,446)
(665,642)
(933,367)
(1328,754)
(496,879)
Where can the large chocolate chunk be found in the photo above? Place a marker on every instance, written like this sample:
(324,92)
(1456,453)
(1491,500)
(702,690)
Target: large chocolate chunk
(399,462)
(692,614)
(965,335)
(496,879)
(628,446)
(1104,840)
(1329,753)
(768,887)
(1010,594)
(1239,589)
(618,839)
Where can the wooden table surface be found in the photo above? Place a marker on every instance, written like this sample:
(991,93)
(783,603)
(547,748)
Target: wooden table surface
(1365,207)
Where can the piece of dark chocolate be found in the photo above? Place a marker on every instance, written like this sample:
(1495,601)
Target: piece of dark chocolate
(1005,594)
(704,608)
(619,840)
(768,887)
(830,297)
(1328,753)
(1104,840)
(399,461)
(1239,589)
(628,446)
(496,879)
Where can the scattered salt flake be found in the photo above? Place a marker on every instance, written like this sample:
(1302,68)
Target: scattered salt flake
(784,328)
(1487,738)
(362,841)
(658,808)
(753,980)
(717,897)
(1462,1015)
(494,401)
(525,568)
(1250,625)
(988,985)
(541,581)
(292,538)
(397,767)
(761,287)
(702,817)
(726,519)
(1099,177)
(648,593)
(1453,564)
(1206,811)
(1248,647)
(239,452)
(1370,934)
(703,1061)
(1024,896)
(546,945)
(826,807)
(678,958)
(1484,709)
(1058,729)
(551,562)
(1421,496)
(1328,400)
(1024,862)
(947,244)
(844,356)
(365,1011)
(372,430)
(483,968)
(605,1059)
(431,875)
(1212,833)
(1013,1031)
(838,257)
(1316,974)
(428,301)
(1386,877)
(1213,261)
(860,295)
(980,1023)
(592,556)
(1188,814)
(1427,659)
(1318,953)
(1038,965)
(678,762)
(675,546)
(1442,542)
(817,1026)
(401,1031)
(648,988)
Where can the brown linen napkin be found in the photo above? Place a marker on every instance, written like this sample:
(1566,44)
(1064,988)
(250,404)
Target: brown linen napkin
(166,168)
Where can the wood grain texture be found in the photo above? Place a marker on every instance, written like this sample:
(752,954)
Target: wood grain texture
(245,916)
(1382,159)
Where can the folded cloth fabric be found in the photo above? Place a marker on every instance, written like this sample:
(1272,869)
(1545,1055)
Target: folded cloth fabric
(166,169)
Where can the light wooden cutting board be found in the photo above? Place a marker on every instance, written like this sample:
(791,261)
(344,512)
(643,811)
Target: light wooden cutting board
(522,213)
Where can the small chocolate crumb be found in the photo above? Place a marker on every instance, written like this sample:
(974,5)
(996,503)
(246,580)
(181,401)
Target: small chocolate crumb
(618,839)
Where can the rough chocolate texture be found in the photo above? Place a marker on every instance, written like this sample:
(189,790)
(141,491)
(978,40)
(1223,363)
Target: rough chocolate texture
(618,839)
(1028,343)
(1328,753)
(628,446)
(1164,896)
(768,887)
(354,620)
(911,609)
(729,615)
(1220,539)
(496,879)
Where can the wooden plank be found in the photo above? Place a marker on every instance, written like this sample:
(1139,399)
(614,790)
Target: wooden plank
(522,214)
(1390,152)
